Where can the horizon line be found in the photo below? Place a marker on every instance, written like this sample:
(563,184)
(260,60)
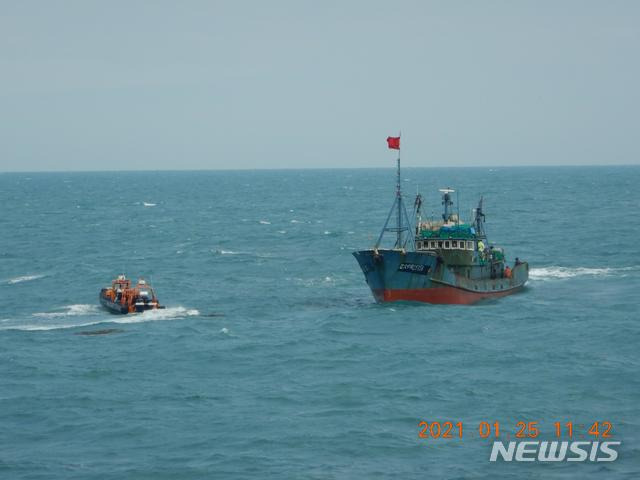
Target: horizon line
(250,169)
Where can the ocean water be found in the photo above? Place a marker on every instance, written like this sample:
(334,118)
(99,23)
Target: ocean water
(273,361)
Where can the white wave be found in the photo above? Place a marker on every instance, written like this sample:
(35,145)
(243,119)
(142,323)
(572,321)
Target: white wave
(295,221)
(265,222)
(227,252)
(146,204)
(224,330)
(555,272)
(42,327)
(24,278)
(316,281)
(172,313)
(70,311)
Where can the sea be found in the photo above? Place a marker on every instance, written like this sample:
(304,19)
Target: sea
(272,359)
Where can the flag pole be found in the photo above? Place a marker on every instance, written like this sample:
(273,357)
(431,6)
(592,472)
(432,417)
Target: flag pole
(399,196)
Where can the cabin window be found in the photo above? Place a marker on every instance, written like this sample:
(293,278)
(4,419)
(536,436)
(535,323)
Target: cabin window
(419,245)
(446,244)
(470,245)
(433,244)
(439,243)
(454,244)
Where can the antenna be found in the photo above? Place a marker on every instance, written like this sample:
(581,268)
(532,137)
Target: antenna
(479,219)
(446,201)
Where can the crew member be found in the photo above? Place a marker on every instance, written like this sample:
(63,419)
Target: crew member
(507,272)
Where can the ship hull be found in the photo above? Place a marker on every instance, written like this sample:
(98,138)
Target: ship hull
(393,275)
(113,307)
(119,309)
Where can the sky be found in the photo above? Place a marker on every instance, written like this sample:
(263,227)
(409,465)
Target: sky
(156,85)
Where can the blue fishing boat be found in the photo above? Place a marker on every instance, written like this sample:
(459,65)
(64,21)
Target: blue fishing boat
(442,260)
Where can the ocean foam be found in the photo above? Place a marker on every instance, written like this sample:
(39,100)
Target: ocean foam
(70,311)
(24,278)
(265,222)
(43,327)
(227,252)
(149,204)
(555,272)
(173,313)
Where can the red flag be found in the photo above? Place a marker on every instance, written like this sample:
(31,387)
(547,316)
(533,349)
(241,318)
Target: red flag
(394,142)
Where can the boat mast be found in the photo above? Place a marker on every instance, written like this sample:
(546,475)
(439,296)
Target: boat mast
(398,205)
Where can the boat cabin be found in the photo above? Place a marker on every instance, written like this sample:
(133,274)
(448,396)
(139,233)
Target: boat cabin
(448,244)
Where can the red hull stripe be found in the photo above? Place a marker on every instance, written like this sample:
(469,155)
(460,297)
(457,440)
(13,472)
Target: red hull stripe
(443,295)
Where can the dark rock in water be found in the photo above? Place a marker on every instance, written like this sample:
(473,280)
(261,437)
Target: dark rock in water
(105,331)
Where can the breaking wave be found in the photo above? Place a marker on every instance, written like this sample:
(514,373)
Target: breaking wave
(554,272)
(146,204)
(24,278)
